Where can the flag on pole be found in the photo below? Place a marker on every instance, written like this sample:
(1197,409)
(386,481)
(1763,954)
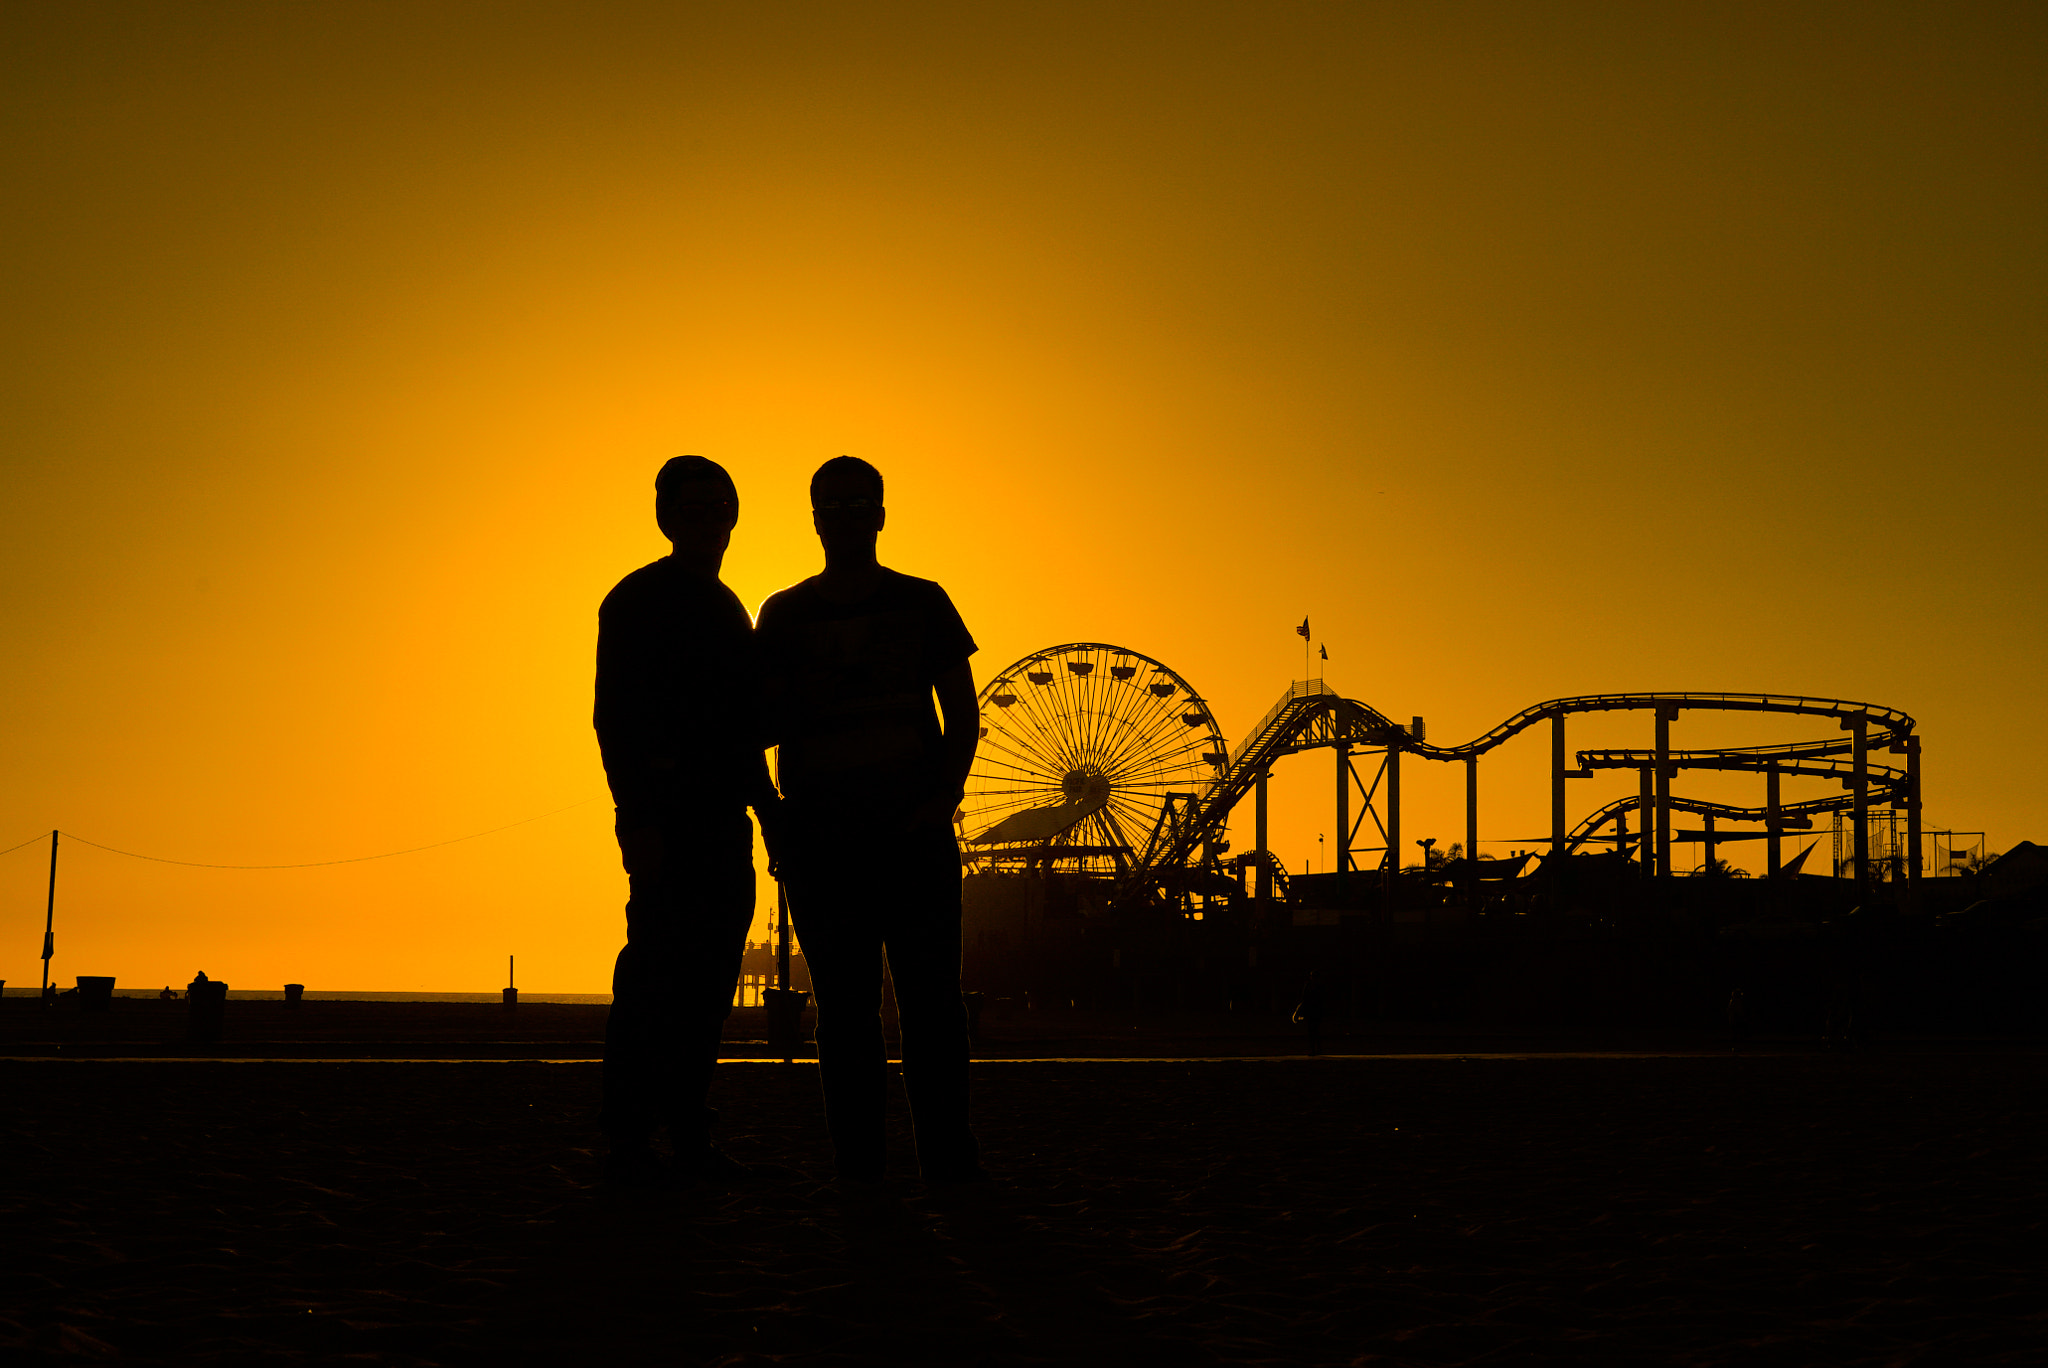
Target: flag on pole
(1302,630)
(1325,650)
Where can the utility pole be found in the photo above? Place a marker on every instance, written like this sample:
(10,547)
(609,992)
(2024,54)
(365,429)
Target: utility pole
(782,937)
(50,919)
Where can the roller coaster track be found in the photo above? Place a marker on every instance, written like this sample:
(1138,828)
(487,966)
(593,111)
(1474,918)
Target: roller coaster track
(1889,719)
(1819,759)
(1797,816)
(1311,715)
(1307,715)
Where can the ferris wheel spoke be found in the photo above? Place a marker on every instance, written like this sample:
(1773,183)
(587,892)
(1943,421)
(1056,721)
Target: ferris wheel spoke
(1121,717)
(1020,720)
(1157,735)
(1034,746)
(1164,746)
(1027,758)
(993,813)
(1076,695)
(1011,793)
(1102,716)
(1130,741)
(1178,762)
(1053,742)
(1106,821)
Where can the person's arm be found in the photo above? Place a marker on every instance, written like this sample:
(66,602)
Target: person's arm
(767,806)
(767,700)
(960,716)
(620,713)
(624,738)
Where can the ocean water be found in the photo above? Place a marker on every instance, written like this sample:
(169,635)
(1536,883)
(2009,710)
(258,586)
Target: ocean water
(342,995)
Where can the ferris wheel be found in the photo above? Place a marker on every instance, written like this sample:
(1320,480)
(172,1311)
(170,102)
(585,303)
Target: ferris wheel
(1081,746)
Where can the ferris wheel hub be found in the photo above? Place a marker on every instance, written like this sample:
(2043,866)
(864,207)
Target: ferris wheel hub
(1084,785)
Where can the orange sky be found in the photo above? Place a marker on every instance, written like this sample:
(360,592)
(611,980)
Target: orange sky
(1527,350)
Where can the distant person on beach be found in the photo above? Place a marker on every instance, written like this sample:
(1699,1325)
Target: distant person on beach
(854,656)
(676,720)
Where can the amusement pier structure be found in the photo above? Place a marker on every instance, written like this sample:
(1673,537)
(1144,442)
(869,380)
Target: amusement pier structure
(1100,761)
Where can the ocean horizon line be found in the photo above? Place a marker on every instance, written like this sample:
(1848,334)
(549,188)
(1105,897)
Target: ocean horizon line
(349,995)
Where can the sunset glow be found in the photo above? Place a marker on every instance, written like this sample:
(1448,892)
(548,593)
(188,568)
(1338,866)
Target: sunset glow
(1526,352)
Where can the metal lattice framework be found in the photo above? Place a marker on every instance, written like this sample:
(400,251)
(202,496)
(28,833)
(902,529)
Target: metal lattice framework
(1312,716)
(1084,749)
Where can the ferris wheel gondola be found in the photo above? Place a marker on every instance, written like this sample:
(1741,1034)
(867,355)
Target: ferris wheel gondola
(1081,748)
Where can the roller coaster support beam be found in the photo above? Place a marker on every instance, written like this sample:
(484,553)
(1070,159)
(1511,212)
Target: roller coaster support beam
(1859,783)
(1646,805)
(1774,844)
(1558,827)
(1343,815)
(1913,819)
(1262,885)
(1472,811)
(1391,865)
(1666,715)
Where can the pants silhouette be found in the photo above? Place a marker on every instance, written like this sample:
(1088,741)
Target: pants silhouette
(672,988)
(855,897)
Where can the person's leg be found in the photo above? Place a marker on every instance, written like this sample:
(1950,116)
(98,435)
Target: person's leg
(712,942)
(633,1088)
(672,988)
(923,930)
(843,949)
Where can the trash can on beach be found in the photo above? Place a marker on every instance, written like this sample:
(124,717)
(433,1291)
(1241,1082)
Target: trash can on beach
(293,992)
(95,993)
(785,1019)
(205,1002)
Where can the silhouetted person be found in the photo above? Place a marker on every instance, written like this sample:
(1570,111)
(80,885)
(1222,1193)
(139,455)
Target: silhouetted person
(678,723)
(871,783)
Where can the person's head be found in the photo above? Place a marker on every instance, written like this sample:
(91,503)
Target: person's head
(846,504)
(696,505)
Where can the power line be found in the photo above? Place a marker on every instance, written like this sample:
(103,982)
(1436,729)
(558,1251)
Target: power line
(317,864)
(29,842)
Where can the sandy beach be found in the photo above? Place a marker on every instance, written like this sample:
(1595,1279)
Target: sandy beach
(1882,1208)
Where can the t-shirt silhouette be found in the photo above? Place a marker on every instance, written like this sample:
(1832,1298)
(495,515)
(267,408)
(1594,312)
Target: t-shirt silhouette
(853,683)
(678,687)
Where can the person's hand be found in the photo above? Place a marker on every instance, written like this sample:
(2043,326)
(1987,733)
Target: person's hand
(643,850)
(934,812)
(772,823)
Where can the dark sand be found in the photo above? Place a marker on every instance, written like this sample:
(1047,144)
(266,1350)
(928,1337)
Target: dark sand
(145,1028)
(1881,1208)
